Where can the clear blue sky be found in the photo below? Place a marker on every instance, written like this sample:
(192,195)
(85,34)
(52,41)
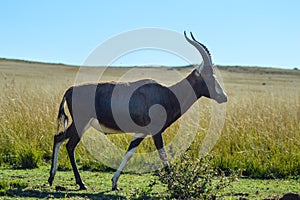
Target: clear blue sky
(240,32)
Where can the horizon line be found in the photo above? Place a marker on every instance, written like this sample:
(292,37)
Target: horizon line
(132,66)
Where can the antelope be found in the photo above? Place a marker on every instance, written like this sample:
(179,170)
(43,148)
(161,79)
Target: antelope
(144,107)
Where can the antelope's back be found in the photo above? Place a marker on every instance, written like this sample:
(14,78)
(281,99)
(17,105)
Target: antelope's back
(119,101)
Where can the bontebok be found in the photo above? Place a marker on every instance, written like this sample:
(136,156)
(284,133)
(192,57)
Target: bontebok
(150,109)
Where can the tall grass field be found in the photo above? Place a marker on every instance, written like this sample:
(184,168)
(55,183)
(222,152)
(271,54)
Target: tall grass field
(261,134)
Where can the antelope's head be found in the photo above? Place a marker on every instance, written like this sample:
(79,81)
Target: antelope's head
(205,72)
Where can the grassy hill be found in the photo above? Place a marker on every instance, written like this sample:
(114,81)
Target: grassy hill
(259,135)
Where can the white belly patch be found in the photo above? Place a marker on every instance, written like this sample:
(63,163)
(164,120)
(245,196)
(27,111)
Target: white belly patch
(102,128)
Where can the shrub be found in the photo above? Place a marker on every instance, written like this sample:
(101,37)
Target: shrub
(29,159)
(188,178)
(144,193)
(91,164)
(18,184)
(3,187)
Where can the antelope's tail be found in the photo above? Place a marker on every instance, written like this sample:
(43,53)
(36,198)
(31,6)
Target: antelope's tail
(62,118)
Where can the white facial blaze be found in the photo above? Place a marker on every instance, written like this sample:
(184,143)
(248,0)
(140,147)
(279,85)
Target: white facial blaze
(219,90)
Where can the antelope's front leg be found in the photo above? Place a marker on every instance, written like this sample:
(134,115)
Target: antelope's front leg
(158,141)
(131,149)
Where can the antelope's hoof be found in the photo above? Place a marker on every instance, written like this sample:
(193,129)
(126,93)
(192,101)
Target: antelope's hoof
(83,187)
(115,188)
(50,180)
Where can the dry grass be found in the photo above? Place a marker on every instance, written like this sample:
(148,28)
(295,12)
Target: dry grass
(261,134)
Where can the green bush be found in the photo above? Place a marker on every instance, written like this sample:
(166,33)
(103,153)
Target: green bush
(18,184)
(28,159)
(194,178)
(4,186)
(91,164)
(7,154)
(144,193)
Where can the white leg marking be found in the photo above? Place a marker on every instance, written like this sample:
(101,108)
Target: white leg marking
(127,157)
(138,135)
(162,153)
(163,156)
(55,157)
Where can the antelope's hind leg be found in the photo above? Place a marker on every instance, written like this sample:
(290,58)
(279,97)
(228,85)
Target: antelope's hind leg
(58,140)
(71,146)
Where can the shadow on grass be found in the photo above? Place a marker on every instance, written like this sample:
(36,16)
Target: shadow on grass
(31,193)
(67,194)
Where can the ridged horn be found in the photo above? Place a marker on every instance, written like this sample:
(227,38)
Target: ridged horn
(202,50)
(205,48)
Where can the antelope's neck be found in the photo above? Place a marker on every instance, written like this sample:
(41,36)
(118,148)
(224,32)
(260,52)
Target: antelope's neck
(186,92)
